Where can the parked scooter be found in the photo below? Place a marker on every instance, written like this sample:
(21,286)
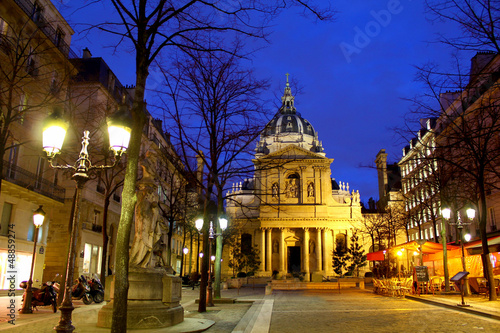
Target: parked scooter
(44,296)
(81,290)
(96,289)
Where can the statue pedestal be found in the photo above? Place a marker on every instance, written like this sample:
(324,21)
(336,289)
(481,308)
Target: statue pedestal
(153,300)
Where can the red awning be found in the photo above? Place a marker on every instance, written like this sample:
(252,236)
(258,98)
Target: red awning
(375,256)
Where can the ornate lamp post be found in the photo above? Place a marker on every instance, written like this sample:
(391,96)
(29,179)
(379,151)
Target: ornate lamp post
(471,213)
(38,217)
(54,131)
(211,235)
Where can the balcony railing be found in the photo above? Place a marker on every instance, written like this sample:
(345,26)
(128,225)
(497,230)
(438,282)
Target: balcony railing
(30,181)
(46,27)
(92,227)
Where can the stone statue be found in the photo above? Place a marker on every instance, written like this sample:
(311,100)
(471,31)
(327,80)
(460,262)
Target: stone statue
(275,190)
(147,226)
(292,189)
(312,247)
(310,190)
(275,247)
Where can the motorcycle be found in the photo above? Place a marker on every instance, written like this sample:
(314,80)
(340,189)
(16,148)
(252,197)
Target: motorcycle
(42,297)
(81,290)
(96,289)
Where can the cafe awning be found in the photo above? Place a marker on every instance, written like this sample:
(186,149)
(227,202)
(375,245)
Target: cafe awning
(413,246)
(375,256)
(491,241)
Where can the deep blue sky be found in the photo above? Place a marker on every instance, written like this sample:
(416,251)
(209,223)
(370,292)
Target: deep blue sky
(353,101)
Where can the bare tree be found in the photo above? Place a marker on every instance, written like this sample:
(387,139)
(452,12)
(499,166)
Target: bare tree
(477,21)
(215,109)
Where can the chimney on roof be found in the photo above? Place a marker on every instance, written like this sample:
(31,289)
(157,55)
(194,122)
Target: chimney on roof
(479,61)
(86,54)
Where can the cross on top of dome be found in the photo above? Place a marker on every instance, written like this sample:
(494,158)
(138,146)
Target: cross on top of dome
(287,100)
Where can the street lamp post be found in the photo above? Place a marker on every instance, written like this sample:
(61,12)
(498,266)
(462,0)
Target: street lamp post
(54,132)
(185,251)
(211,235)
(218,256)
(38,217)
(471,213)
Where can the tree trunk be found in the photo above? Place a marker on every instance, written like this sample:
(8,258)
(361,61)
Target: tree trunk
(169,241)
(105,237)
(202,306)
(485,256)
(129,199)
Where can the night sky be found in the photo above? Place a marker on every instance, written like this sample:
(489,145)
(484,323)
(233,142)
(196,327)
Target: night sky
(355,73)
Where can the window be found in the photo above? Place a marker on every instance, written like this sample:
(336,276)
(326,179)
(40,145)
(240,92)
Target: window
(13,156)
(96,217)
(37,12)
(6,218)
(30,62)
(39,172)
(23,104)
(54,84)
(492,219)
(59,37)
(4,27)
(100,187)
(92,259)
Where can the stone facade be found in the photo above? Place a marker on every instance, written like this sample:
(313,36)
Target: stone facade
(292,211)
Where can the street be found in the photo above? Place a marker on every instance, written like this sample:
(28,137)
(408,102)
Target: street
(355,311)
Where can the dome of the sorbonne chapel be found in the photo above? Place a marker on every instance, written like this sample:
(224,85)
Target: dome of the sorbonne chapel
(291,210)
(288,127)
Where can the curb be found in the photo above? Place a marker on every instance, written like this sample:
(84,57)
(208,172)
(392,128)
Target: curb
(454,307)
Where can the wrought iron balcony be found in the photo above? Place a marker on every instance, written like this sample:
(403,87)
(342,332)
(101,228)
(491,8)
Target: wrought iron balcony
(52,34)
(19,176)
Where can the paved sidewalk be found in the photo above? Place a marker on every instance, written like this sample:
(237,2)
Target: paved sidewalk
(223,317)
(477,304)
(251,312)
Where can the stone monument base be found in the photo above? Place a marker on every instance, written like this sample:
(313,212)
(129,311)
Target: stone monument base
(153,300)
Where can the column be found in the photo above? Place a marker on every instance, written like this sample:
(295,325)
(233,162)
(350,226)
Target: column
(262,248)
(327,263)
(282,251)
(306,254)
(269,251)
(303,185)
(319,249)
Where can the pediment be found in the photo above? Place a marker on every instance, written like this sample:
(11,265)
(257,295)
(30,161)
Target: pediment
(293,152)
(294,240)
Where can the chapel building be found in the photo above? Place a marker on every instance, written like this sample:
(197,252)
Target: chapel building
(292,211)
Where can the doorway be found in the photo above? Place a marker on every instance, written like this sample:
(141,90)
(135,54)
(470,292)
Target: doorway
(294,259)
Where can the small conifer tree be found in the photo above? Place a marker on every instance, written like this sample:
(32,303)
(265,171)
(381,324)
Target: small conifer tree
(356,254)
(340,257)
